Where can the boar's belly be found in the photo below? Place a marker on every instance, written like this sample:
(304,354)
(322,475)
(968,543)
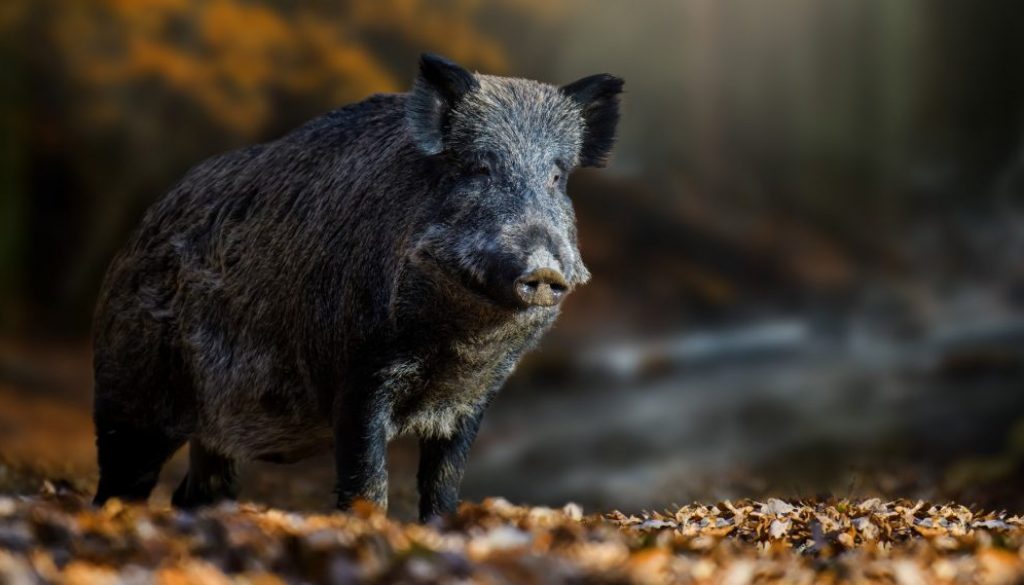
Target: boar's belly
(255,429)
(270,439)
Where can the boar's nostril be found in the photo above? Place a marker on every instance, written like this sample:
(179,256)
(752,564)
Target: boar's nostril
(543,287)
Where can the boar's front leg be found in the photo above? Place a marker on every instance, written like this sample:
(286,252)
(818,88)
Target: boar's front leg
(360,451)
(442,463)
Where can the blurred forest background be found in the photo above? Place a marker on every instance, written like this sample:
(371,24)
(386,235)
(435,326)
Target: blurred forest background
(808,253)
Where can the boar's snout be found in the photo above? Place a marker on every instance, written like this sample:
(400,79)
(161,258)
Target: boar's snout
(543,287)
(540,281)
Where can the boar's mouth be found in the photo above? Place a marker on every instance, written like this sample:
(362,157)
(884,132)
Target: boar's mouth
(465,285)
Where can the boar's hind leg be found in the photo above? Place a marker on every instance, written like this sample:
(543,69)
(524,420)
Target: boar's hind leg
(211,477)
(130,458)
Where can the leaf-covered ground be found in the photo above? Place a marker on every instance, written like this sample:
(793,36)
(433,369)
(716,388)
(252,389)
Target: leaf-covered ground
(46,439)
(57,537)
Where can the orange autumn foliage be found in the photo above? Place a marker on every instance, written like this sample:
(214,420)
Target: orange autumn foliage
(234,60)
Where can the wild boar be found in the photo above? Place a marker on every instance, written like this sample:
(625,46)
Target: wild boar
(378,271)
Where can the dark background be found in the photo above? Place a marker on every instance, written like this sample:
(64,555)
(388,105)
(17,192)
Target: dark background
(808,252)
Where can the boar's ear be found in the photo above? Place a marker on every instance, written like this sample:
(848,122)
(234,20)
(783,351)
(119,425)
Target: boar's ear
(439,86)
(598,98)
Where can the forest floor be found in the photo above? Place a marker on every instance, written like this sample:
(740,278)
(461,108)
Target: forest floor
(50,533)
(57,537)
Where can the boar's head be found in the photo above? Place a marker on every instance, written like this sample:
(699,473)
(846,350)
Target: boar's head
(499,222)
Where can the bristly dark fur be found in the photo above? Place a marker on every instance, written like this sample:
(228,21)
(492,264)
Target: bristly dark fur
(352,281)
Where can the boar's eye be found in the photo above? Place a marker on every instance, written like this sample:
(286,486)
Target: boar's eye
(481,169)
(556,174)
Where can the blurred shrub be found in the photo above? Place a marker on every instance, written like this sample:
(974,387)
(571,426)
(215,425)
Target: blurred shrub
(108,101)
